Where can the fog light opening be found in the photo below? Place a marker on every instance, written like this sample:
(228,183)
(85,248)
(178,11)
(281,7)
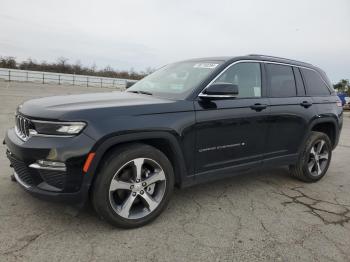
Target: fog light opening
(48,164)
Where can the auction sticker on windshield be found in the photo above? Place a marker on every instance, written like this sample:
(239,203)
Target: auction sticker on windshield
(205,65)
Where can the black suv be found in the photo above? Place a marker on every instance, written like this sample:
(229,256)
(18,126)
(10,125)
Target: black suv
(187,123)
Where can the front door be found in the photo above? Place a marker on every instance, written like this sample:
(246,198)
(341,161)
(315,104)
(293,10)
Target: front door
(232,132)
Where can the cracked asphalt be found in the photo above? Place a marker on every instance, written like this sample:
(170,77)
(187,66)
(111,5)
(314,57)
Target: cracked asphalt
(262,216)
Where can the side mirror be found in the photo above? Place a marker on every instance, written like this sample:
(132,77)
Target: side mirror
(220,90)
(129,83)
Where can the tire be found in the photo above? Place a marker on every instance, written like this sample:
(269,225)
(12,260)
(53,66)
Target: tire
(119,199)
(313,165)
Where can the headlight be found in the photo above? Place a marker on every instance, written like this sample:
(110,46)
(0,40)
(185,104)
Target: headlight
(57,128)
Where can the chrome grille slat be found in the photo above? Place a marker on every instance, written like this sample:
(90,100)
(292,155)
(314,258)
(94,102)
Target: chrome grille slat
(22,127)
(26,127)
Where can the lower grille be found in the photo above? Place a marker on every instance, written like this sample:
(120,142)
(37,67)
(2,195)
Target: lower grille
(53,178)
(37,177)
(27,176)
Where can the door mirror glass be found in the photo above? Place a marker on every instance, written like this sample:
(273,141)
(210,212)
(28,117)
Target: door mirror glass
(220,90)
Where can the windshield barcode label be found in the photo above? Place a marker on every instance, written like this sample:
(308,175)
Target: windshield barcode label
(205,65)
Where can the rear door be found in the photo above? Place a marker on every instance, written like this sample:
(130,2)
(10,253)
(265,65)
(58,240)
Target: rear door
(291,111)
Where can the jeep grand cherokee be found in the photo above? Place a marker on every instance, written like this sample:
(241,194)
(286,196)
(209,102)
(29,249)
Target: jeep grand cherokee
(187,123)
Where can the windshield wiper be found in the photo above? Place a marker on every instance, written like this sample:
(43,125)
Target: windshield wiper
(141,92)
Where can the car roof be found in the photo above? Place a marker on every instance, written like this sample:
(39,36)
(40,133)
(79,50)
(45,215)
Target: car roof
(227,60)
(230,59)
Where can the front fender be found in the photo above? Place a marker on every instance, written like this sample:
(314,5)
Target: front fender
(105,144)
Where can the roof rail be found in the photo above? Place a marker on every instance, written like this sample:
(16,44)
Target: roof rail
(269,56)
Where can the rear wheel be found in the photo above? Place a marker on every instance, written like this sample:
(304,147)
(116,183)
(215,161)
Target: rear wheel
(133,186)
(315,158)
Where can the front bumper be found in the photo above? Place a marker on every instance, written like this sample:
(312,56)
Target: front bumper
(70,185)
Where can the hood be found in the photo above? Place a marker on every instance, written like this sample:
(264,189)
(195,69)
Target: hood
(84,106)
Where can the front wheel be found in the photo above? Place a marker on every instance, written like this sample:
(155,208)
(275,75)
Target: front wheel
(314,160)
(133,186)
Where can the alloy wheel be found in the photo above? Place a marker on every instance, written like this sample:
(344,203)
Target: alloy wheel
(318,158)
(137,188)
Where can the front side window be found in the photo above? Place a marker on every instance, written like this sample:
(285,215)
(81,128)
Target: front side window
(315,86)
(175,81)
(247,76)
(281,80)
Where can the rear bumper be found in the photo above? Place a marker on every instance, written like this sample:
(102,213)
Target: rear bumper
(70,185)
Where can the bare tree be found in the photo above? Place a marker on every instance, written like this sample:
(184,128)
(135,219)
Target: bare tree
(62,65)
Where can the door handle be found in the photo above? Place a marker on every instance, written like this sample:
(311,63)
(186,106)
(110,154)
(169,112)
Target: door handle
(258,107)
(306,104)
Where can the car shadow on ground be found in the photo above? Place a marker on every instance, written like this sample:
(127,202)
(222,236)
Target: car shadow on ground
(246,181)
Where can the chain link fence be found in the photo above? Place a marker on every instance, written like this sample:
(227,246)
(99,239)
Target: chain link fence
(62,79)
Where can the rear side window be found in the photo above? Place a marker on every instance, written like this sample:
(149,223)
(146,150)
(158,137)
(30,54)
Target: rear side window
(281,80)
(315,86)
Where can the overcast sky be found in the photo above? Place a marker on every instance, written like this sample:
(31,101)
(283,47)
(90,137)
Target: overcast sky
(139,34)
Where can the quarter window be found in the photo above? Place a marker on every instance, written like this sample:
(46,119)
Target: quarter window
(281,80)
(315,86)
(247,76)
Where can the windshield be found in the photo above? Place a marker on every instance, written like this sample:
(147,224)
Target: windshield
(175,81)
